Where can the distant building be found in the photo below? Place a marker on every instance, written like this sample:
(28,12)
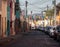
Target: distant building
(23,12)
(58,14)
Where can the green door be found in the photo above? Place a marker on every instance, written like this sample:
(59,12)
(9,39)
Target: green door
(8,21)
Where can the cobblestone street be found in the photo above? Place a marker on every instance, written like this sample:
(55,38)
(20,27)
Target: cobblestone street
(34,39)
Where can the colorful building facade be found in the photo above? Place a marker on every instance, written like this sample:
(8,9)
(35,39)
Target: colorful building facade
(3,17)
(10,17)
(58,14)
(7,14)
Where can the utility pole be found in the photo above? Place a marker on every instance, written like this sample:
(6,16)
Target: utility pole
(47,7)
(43,18)
(26,20)
(26,7)
(31,13)
(48,15)
(54,2)
(47,10)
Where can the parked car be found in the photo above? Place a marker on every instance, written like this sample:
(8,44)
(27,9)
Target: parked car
(47,28)
(40,28)
(57,34)
(44,28)
(52,31)
(37,26)
(32,25)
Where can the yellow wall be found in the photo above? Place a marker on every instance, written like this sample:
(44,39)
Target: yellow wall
(58,18)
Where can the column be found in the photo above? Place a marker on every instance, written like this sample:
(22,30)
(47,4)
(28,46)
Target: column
(4,14)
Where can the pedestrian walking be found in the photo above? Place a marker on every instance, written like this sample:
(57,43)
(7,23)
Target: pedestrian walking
(17,26)
(25,26)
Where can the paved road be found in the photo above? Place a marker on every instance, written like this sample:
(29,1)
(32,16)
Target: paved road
(34,39)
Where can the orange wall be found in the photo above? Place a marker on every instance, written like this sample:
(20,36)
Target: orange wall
(4,15)
(58,18)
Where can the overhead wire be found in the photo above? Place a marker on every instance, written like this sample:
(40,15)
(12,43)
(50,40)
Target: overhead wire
(40,4)
(41,7)
(35,3)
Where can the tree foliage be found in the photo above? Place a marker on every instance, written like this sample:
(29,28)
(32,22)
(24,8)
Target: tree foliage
(50,13)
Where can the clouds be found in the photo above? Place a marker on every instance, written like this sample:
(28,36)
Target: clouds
(35,5)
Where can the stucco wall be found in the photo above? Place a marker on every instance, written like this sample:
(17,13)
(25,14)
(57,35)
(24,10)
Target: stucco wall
(4,17)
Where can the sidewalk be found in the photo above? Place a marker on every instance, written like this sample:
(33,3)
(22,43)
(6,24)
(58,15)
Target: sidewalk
(11,39)
(8,40)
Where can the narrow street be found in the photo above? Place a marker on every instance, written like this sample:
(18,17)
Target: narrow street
(34,39)
(22,22)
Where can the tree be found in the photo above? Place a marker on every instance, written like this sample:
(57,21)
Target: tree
(17,9)
(50,14)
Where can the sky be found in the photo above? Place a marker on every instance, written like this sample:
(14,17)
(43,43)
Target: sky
(36,6)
